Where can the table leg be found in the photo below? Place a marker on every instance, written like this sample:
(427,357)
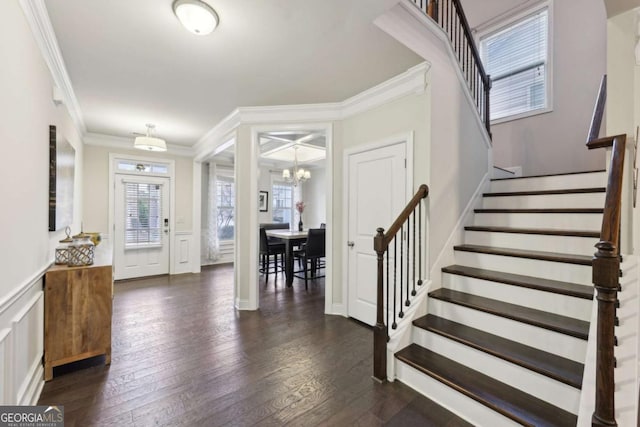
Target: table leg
(288,262)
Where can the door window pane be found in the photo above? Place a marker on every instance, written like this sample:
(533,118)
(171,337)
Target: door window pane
(143,216)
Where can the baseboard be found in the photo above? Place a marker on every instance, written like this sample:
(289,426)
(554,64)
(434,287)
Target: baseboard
(446,257)
(338,310)
(35,385)
(243,304)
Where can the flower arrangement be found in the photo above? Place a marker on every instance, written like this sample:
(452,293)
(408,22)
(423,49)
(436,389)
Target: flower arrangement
(300,206)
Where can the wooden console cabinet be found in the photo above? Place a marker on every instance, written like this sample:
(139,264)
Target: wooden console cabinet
(77,313)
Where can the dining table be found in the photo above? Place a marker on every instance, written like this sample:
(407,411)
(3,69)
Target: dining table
(291,238)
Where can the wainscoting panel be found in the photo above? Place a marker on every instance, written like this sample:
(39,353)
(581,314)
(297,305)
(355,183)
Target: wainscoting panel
(22,342)
(28,338)
(5,367)
(182,245)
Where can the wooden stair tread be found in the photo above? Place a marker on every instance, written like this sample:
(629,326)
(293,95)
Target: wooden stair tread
(547,285)
(546,192)
(541,231)
(508,401)
(553,366)
(544,210)
(522,253)
(547,175)
(551,321)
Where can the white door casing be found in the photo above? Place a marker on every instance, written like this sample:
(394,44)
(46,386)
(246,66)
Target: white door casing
(146,259)
(377,193)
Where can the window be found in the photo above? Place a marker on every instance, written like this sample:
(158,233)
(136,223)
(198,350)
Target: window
(282,202)
(225,194)
(131,166)
(143,220)
(516,58)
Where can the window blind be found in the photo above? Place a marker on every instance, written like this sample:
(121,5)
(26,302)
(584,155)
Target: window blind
(143,216)
(516,59)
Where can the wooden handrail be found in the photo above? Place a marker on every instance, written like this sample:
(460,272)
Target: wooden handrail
(606,267)
(381,246)
(469,36)
(450,16)
(381,241)
(610,231)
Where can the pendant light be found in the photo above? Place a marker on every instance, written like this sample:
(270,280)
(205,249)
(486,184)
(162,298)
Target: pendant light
(148,142)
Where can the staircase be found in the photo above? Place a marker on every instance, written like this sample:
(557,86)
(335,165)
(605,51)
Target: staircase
(504,339)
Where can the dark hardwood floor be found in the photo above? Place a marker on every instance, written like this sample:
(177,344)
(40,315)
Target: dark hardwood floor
(182,356)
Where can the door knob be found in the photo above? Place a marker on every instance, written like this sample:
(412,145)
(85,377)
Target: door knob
(350,244)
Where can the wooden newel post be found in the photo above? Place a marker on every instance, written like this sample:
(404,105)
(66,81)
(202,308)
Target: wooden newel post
(380,330)
(606,267)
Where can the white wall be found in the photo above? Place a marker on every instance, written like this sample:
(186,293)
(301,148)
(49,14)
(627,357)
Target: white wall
(554,142)
(96,195)
(457,155)
(314,194)
(27,110)
(264,184)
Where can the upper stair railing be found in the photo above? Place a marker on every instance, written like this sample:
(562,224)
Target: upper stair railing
(449,15)
(606,266)
(403,272)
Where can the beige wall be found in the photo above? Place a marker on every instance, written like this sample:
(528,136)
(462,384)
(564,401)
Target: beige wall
(554,142)
(27,110)
(409,114)
(623,107)
(27,248)
(96,191)
(621,71)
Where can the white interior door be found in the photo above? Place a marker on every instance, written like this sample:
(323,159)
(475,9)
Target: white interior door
(141,232)
(377,195)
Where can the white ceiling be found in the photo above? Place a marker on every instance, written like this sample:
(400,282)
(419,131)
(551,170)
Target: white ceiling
(131,62)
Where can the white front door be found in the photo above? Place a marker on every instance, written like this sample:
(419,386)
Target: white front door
(141,234)
(377,195)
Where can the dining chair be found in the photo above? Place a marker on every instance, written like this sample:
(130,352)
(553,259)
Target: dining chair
(267,251)
(313,253)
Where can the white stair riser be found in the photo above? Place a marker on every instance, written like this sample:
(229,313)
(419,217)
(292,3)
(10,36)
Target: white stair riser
(456,402)
(543,339)
(564,305)
(583,180)
(547,201)
(564,272)
(540,386)
(534,242)
(554,221)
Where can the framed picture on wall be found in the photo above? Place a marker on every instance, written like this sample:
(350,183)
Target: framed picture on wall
(61,181)
(263,201)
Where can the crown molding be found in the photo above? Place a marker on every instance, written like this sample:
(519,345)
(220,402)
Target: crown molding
(412,81)
(118,142)
(38,18)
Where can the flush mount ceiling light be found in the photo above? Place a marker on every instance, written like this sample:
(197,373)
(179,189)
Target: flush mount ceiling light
(196,16)
(148,142)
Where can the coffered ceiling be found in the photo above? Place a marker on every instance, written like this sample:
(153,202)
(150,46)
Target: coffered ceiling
(130,62)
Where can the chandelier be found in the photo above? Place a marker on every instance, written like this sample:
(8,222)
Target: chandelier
(298,175)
